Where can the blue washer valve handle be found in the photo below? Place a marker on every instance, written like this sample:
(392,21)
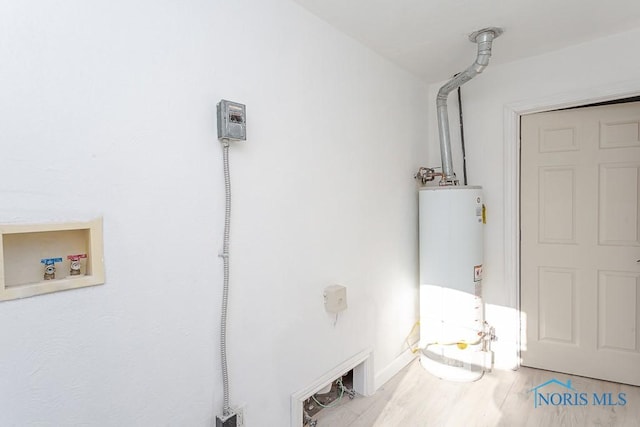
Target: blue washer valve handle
(49,267)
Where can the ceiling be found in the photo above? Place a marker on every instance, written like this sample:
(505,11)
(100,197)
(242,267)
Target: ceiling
(429,37)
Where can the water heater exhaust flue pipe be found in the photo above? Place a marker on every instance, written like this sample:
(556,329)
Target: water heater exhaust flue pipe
(484,39)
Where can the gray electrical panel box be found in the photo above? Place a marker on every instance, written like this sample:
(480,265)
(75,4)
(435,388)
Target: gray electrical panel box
(232,123)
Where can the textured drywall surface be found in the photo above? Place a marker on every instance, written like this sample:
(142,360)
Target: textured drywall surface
(107,108)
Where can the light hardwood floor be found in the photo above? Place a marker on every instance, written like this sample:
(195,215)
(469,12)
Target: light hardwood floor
(415,398)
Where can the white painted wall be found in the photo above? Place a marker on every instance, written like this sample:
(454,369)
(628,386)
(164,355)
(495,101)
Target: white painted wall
(107,109)
(597,68)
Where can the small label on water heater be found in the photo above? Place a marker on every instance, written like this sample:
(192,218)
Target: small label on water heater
(477,273)
(479,209)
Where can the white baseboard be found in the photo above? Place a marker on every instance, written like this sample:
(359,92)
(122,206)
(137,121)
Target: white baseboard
(394,367)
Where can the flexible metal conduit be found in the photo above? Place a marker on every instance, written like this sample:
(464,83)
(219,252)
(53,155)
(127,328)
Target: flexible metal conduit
(226,410)
(484,39)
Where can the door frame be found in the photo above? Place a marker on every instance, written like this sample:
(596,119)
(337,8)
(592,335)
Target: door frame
(511,167)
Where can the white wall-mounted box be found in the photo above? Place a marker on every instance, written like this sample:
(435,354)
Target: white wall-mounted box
(23,246)
(335,298)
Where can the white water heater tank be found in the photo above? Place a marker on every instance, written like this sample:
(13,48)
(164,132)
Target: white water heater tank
(451,256)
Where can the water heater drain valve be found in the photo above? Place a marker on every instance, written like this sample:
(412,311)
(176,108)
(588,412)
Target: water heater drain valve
(487,335)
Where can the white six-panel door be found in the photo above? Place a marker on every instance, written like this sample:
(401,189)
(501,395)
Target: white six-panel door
(580,241)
